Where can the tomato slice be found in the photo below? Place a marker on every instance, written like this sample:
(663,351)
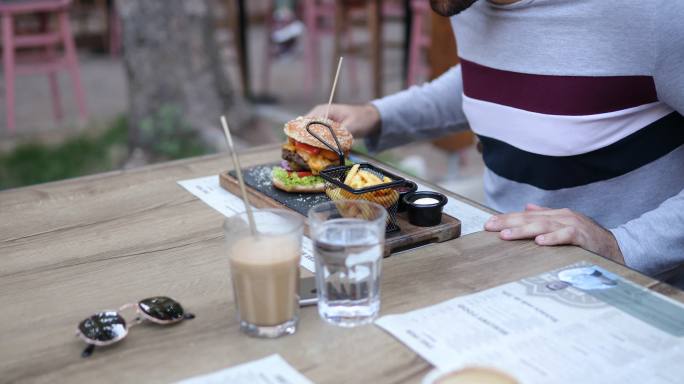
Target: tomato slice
(300,173)
(307,148)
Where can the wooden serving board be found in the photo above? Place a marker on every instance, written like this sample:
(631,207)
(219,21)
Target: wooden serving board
(262,194)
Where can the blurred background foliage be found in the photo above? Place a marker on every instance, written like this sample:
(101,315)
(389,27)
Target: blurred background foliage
(35,162)
(168,136)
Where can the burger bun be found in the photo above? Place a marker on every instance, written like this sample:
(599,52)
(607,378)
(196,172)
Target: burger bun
(314,188)
(296,129)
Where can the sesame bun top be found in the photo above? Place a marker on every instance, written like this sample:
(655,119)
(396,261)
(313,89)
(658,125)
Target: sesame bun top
(296,129)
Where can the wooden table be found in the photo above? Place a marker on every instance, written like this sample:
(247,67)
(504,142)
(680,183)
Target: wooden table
(71,248)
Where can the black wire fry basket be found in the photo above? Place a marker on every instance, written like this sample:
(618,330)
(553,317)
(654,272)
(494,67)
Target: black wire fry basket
(385,193)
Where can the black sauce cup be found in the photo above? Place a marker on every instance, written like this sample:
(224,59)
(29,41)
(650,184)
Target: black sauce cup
(425,215)
(408,187)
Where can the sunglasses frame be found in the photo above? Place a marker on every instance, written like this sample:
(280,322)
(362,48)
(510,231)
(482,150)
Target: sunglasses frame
(141,316)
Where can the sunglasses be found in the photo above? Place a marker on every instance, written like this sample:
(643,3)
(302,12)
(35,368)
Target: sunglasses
(108,327)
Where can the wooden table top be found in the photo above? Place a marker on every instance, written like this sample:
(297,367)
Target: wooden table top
(72,248)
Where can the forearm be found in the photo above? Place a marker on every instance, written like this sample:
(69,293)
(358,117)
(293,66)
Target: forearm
(654,242)
(420,112)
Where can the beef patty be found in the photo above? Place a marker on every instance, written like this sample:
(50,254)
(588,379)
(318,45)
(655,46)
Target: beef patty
(296,162)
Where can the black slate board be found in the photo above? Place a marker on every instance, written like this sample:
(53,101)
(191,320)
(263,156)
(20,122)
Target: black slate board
(259,178)
(263,195)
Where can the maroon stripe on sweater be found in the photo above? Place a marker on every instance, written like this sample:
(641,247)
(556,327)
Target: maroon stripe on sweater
(556,95)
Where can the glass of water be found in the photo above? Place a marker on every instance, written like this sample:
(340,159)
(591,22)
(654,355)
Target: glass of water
(349,240)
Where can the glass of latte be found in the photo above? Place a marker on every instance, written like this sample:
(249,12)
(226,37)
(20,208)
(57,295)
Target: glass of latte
(264,270)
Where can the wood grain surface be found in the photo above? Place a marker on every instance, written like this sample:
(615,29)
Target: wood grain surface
(71,248)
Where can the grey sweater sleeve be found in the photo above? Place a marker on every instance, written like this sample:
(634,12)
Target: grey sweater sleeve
(654,242)
(420,112)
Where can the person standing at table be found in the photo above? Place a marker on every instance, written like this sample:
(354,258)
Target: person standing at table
(578,105)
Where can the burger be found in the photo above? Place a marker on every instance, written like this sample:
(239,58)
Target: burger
(304,156)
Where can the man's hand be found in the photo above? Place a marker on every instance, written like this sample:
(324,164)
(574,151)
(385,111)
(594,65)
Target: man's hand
(556,227)
(359,120)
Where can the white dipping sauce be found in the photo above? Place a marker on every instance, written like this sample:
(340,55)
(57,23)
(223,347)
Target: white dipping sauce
(426,201)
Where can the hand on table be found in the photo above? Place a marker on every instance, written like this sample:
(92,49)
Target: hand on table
(360,120)
(556,227)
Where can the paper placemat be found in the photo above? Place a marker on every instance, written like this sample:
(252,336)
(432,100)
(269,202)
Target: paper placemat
(577,324)
(269,370)
(209,191)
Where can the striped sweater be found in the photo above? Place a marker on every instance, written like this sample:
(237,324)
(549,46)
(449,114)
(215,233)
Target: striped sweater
(578,104)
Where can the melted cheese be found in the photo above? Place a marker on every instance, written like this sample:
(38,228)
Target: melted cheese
(329,154)
(304,155)
(317,163)
(289,146)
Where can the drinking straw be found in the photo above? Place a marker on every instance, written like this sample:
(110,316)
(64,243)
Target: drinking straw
(332,92)
(238,172)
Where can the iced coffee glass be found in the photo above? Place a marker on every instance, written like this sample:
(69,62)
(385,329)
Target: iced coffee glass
(265,270)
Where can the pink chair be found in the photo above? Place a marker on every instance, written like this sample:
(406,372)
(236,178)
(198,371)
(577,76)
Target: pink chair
(48,61)
(115,31)
(319,18)
(268,54)
(420,40)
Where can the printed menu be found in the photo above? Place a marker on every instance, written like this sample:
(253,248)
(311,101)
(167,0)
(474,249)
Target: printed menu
(577,324)
(269,370)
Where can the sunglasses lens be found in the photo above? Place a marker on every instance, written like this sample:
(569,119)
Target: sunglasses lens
(162,308)
(103,327)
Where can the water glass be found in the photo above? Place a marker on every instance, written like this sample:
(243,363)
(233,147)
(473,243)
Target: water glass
(349,238)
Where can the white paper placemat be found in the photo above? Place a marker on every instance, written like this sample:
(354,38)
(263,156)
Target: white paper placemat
(542,330)
(209,191)
(269,370)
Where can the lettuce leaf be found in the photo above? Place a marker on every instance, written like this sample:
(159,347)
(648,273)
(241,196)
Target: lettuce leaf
(292,179)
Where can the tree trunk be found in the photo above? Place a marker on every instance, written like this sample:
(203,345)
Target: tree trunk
(173,62)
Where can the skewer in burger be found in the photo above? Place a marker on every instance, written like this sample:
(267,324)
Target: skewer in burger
(304,156)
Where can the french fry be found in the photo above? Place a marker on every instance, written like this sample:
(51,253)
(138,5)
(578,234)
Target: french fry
(359,179)
(356,212)
(355,183)
(352,172)
(366,212)
(370,178)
